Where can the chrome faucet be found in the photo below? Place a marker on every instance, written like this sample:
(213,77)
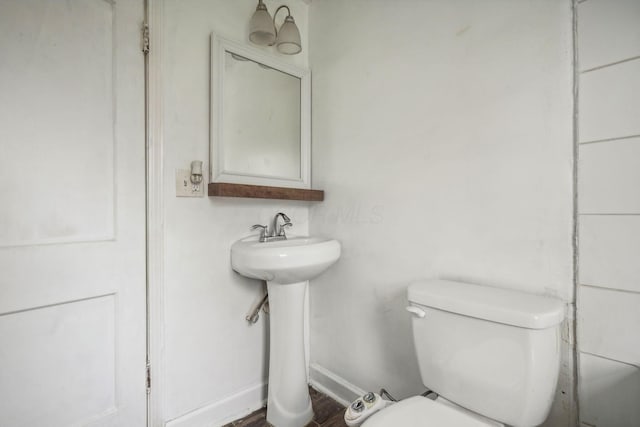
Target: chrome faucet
(277,231)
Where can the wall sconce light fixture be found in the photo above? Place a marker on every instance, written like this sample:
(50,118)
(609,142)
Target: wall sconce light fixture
(262,30)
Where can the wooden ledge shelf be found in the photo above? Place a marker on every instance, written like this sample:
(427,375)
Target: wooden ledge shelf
(223,189)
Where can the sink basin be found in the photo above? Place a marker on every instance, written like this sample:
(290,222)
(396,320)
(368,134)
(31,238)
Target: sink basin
(286,265)
(294,260)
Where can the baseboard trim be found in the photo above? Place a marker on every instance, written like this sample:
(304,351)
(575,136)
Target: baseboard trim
(226,410)
(253,398)
(333,385)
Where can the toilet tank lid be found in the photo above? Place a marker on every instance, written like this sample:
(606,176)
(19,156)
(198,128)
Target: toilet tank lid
(484,302)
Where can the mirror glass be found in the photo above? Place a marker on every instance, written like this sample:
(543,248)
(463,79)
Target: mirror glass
(260,131)
(261,114)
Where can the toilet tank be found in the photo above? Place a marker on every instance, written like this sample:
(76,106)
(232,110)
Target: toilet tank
(493,351)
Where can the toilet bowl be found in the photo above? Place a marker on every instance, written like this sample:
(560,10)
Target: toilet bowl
(421,411)
(492,355)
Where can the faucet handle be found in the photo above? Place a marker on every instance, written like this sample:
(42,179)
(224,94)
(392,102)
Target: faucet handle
(263,231)
(282,231)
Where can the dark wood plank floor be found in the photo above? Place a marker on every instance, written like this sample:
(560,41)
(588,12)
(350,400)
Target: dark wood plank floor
(327,413)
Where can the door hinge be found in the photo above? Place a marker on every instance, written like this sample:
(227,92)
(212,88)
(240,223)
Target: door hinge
(145,39)
(148,380)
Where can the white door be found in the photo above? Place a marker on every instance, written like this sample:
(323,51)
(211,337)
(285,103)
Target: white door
(72,214)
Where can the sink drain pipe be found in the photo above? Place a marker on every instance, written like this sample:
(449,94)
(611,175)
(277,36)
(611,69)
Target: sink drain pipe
(254,315)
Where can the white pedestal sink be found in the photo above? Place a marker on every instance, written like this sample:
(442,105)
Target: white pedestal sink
(286,265)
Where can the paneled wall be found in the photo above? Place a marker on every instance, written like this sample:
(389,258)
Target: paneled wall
(609,212)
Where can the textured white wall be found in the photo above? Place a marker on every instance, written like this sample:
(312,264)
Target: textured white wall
(609,207)
(211,353)
(442,133)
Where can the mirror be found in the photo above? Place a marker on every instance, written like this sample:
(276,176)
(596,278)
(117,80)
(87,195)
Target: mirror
(260,118)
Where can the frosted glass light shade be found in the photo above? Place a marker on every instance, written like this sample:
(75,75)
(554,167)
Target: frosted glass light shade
(288,41)
(261,28)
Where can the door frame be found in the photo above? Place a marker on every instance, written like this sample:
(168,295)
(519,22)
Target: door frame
(154,110)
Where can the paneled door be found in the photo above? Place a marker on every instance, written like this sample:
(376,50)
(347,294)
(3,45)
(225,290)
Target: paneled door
(72,214)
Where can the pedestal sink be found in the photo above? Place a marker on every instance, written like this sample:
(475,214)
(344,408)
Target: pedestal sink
(286,265)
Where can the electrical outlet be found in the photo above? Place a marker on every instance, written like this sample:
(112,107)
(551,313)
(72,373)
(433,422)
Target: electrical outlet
(184,186)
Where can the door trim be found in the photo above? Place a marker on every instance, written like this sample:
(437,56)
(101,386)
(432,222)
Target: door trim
(154,106)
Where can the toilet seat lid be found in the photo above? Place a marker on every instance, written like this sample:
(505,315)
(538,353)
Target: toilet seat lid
(420,411)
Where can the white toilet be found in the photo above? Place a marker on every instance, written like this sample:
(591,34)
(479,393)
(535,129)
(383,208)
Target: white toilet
(491,354)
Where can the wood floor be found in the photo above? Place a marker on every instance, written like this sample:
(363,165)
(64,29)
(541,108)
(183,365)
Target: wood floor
(327,413)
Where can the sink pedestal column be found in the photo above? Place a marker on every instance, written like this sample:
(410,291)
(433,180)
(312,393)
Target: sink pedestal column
(288,404)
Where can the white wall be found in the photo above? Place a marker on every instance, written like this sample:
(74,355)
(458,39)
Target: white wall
(442,134)
(609,207)
(215,363)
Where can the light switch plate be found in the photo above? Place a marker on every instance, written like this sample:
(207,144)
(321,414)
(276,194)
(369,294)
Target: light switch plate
(184,186)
